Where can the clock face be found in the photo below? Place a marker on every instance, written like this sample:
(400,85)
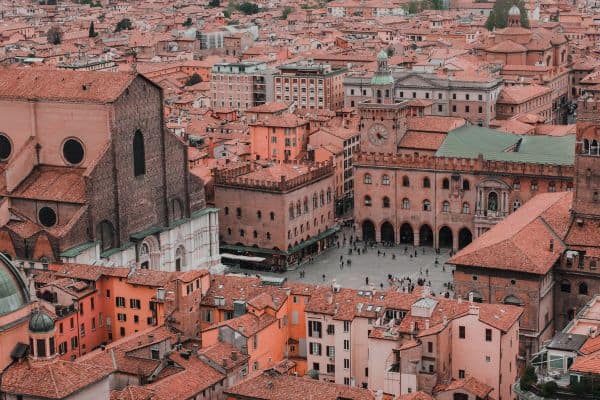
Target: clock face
(378,134)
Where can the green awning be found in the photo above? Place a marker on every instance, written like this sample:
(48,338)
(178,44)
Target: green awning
(248,249)
(146,232)
(77,250)
(314,240)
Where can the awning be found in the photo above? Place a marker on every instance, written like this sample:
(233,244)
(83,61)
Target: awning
(315,239)
(242,258)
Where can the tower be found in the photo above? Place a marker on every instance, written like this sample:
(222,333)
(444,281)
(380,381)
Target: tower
(514,17)
(383,120)
(586,202)
(41,335)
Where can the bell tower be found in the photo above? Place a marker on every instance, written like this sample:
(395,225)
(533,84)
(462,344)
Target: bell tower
(514,17)
(586,202)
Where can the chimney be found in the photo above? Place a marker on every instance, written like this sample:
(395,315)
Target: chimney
(224,362)
(473,310)
(551,244)
(329,299)
(470,297)
(426,324)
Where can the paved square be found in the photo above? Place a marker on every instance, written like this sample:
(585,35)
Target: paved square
(375,267)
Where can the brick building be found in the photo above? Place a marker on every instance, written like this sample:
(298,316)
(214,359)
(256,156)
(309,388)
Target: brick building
(515,101)
(279,137)
(283,211)
(310,86)
(78,148)
(241,85)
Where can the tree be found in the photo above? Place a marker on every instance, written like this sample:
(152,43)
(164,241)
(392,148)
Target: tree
(214,3)
(227,14)
(287,10)
(188,22)
(437,4)
(549,389)
(92,32)
(54,35)
(499,14)
(124,24)
(390,51)
(529,378)
(194,79)
(413,7)
(248,8)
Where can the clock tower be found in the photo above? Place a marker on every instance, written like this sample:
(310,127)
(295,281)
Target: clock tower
(382,120)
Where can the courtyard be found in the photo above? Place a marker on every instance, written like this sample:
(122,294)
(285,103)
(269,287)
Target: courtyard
(376,267)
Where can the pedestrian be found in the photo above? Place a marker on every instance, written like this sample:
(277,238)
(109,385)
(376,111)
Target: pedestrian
(358,252)
(377,253)
(393,256)
(444,268)
(338,244)
(423,250)
(367,280)
(420,271)
(405,250)
(427,271)
(381,285)
(384,254)
(349,262)
(341,258)
(323,277)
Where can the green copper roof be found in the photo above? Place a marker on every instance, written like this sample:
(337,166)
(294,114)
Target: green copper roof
(13,291)
(382,79)
(469,141)
(382,55)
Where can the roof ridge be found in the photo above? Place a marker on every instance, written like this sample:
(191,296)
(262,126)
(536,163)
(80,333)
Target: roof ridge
(54,382)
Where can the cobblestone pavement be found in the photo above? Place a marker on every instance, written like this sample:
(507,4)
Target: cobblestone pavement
(375,267)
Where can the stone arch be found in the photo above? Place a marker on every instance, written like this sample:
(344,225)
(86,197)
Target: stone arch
(512,299)
(583,288)
(180,261)
(425,235)
(407,235)
(445,239)
(149,253)
(368,230)
(387,233)
(464,237)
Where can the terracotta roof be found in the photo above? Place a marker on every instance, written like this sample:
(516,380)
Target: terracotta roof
(422,140)
(132,393)
(55,379)
(63,85)
(60,184)
(587,363)
(416,396)
(271,385)
(509,246)
(470,384)
(247,324)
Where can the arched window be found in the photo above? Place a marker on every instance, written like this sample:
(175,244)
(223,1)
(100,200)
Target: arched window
(405,181)
(242,233)
(229,231)
(594,148)
(385,180)
(298,208)
(291,211)
(552,187)
(268,235)
(492,204)
(255,234)
(305,205)
(367,201)
(446,183)
(105,233)
(272,215)
(466,184)
(446,206)
(516,184)
(179,258)
(465,208)
(315,201)
(583,288)
(426,182)
(322,198)
(328,195)
(426,205)
(259,214)
(586,146)
(386,202)
(516,204)
(565,286)
(367,179)
(512,299)
(405,203)
(139,154)
(226,209)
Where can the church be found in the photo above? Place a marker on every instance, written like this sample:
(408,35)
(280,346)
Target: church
(88,174)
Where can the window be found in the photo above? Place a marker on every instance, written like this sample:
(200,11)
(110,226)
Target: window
(122,331)
(488,335)
(314,329)
(316,366)
(330,329)
(314,348)
(461,374)
(120,301)
(516,184)
(405,203)
(40,350)
(272,214)
(466,185)
(255,342)
(386,202)
(122,317)
(552,187)
(461,332)
(73,151)
(368,201)
(385,180)
(426,205)
(446,184)
(238,212)
(259,214)
(346,363)
(47,217)
(465,208)
(346,326)
(346,344)
(534,186)
(426,182)
(405,181)
(139,154)
(74,342)
(446,206)
(330,368)
(367,179)
(516,204)
(135,303)
(583,288)
(62,348)
(92,303)
(430,347)
(226,210)
(5,147)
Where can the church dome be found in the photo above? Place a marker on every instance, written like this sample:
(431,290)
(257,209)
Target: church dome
(13,290)
(40,322)
(514,11)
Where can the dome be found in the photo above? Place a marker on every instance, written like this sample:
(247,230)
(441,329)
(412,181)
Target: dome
(514,10)
(13,291)
(40,322)
(382,55)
